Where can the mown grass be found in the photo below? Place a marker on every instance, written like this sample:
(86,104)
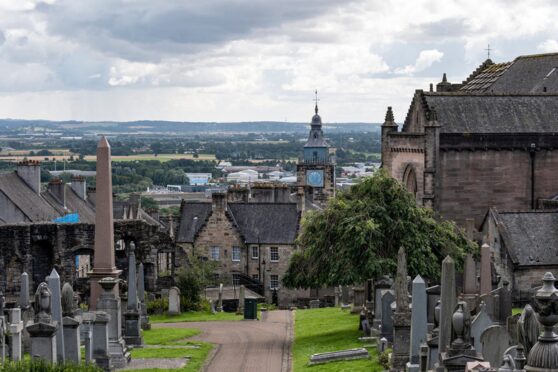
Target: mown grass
(193,316)
(174,337)
(328,329)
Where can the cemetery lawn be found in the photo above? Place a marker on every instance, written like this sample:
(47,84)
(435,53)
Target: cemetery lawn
(195,351)
(328,329)
(193,316)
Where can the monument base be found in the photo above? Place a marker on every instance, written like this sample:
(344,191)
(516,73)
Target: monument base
(119,354)
(96,289)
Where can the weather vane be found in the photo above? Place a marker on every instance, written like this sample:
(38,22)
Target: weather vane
(316,100)
(488,51)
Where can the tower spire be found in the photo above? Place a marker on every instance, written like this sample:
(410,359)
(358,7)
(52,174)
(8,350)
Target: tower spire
(316,101)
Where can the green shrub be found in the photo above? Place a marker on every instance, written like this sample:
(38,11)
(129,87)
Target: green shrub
(38,365)
(158,306)
(191,280)
(383,359)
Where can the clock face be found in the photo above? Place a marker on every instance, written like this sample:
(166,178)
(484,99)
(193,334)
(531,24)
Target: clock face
(315,178)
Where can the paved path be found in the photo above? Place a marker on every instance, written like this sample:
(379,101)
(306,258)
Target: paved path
(246,346)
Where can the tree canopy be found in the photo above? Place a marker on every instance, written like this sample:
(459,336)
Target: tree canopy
(357,237)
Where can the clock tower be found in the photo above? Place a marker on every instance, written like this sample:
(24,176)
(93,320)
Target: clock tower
(316,170)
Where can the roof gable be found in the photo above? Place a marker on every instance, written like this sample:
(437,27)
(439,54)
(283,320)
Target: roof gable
(193,216)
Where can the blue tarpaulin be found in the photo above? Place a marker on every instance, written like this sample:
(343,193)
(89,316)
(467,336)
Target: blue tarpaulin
(69,218)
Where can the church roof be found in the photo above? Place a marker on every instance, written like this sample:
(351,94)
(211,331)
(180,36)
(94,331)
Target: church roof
(194,215)
(526,74)
(530,237)
(491,113)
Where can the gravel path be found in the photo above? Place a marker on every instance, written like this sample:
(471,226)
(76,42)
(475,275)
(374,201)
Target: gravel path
(246,346)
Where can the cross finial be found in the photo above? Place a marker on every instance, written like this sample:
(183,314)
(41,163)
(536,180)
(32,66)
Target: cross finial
(316,101)
(488,51)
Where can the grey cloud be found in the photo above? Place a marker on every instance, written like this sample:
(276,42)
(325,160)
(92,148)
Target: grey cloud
(445,28)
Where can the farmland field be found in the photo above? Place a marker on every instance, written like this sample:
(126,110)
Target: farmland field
(140,157)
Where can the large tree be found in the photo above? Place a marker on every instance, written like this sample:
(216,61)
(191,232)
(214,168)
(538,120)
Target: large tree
(358,234)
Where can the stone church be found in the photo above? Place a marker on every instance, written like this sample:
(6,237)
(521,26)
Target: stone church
(489,141)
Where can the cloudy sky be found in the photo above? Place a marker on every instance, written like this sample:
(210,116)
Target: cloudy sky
(243,60)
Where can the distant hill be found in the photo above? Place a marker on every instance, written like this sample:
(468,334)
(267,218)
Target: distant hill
(168,127)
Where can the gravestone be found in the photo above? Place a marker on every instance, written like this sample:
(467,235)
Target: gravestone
(100,332)
(495,341)
(359,299)
(432,339)
(382,345)
(485,270)
(43,330)
(384,283)
(402,315)
(498,304)
(314,304)
(447,304)
(141,297)
(86,334)
(387,314)
(3,329)
(419,325)
(174,301)
(70,326)
(432,298)
(109,302)
(480,322)
(54,285)
(345,295)
(26,313)
(470,291)
(132,325)
(350,354)
(241,297)
(337,293)
(528,329)
(16,329)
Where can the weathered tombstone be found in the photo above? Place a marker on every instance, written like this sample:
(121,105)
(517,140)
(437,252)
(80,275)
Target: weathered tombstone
(387,314)
(350,354)
(485,270)
(432,339)
(16,328)
(470,292)
(24,302)
(43,330)
(54,285)
(447,304)
(369,293)
(337,294)
(70,325)
(543,355)
(384,283)
(220,298)
(109,302)
(528,329)
(345,295)
(382,345)
(241,297)
(419,325)
(314,304)
(174,301)
(511,326)
(359,299)
(480,322)
(460,350)
(86,333)
(132,326)
(100,333)
(495,340)
(402,315)
(141,297)
(432,298)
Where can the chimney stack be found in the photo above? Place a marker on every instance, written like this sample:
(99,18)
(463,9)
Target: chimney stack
(30,172)
(79,186)
(57,188)
(219,201)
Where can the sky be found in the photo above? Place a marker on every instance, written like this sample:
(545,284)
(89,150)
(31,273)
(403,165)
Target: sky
(250,60)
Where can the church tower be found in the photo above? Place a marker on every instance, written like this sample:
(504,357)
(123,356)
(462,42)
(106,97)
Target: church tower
(316,171)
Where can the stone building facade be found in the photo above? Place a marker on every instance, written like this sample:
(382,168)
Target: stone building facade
(487,142)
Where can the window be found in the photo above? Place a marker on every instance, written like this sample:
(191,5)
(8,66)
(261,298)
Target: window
(215,253)
(274,281)
(236,281)
(236,254)
(256,276)
(255,252)
(274,254)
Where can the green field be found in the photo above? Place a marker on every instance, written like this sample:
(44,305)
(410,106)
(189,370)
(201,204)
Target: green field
(328,329)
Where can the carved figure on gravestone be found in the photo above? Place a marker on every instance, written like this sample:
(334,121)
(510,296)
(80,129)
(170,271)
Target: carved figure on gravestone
(67,300)
(461,330)
(401,287)
(528,329)
(43,304)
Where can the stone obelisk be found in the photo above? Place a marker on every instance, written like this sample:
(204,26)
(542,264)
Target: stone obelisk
(104,264)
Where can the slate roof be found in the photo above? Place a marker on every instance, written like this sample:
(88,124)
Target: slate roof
(530,237)
(526,74)
(29,202)
(490,113)
(266,223)
(74,204)
(189,225)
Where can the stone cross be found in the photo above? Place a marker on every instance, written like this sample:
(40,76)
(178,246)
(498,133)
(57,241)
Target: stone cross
(447,303)
(104,262)
(16,328)
(53,281)
(485,271)
(419,324)
(70,326)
